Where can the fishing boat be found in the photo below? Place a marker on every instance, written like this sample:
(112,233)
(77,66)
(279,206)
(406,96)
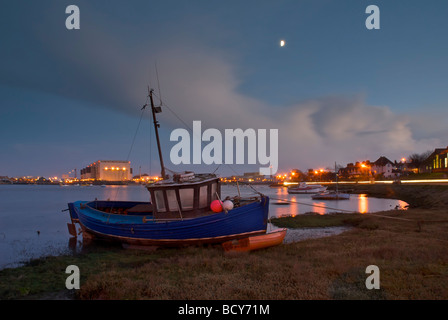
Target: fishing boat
(304,188)
(274,238)
(332,195)
(184,209)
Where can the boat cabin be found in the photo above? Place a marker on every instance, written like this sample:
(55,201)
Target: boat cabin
(184,196)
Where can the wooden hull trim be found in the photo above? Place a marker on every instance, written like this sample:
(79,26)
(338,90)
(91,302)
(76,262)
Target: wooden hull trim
(90,234)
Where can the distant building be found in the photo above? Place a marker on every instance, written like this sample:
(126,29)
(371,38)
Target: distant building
(356,170)
(5,180)
(107,170)
(381,167)
(250,177)
(437,161)
(384,167)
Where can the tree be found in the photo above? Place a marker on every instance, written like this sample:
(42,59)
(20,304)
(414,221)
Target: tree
(417,159)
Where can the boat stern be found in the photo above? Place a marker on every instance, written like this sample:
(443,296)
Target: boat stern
(74,219)
(72,211)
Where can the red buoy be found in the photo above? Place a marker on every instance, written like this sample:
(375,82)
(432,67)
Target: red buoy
(216,206)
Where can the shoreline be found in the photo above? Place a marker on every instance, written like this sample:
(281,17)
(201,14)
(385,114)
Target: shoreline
(329,267)
(416,195)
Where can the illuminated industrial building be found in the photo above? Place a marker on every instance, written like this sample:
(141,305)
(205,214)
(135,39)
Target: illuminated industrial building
(107,170)
(437,161)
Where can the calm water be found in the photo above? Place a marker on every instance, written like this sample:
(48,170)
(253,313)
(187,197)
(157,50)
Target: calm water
(32,223)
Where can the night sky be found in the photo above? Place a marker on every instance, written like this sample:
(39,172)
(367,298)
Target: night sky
(336,91)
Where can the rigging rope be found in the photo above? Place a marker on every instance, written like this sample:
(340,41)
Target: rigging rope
(174,113)
(326,207)
(419,222)
(136,131)
(133,141)
(313,205)
(298,202)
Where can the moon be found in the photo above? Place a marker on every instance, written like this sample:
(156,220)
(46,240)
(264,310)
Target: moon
(282,43)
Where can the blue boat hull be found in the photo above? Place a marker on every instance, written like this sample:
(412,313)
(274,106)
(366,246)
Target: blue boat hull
(143,229)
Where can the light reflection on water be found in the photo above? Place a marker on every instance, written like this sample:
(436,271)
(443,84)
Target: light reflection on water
(303,203)
(32,224)
(363,203)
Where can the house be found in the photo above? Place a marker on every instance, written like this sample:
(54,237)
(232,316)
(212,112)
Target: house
(437,161)
(356,170)
(384,167)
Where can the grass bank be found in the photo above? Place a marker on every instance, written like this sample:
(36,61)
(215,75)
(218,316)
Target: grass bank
(315,220)
(409,247)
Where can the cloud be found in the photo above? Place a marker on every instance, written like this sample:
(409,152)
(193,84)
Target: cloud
(202,83)
(346,129)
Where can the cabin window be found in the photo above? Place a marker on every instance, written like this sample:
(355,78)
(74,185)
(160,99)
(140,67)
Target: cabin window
(203,196)
(172,200)
(160,200)
(186,198)
(214,190)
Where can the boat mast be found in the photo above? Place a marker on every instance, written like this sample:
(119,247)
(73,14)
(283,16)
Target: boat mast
(336,173)
(156,128)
